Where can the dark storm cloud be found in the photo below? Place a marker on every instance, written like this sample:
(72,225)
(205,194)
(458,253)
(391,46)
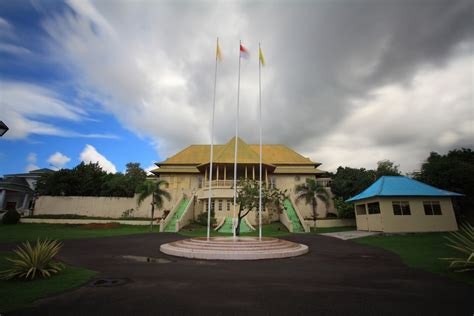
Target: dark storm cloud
(327,63)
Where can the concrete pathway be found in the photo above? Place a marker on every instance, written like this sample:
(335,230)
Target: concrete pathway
(350,234)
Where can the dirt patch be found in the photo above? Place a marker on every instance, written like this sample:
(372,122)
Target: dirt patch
(100,226)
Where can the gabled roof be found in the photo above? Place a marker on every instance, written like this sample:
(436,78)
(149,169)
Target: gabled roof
(271,154)
(400,186)
(31,174)
(245,154)
(15,184)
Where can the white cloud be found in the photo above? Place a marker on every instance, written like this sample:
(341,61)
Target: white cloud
(32,159)
(58,160)
(90,154)
(25,105)
(341,95)
(150,168)
(405,123)
(13,49)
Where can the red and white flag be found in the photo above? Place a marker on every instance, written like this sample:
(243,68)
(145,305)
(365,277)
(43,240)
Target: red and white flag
(244,52)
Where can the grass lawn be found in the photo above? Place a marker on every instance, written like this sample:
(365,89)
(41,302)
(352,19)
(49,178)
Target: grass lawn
(268,230)
(420,251)
(322,230)
(22,232)
(17,294)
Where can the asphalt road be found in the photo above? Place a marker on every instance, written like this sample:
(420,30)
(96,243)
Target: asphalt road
(336,278)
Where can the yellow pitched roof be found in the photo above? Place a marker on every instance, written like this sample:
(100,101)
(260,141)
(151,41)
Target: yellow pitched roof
(244,153)
(271,154)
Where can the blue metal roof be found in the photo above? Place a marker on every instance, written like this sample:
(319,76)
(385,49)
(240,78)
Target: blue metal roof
(400,186)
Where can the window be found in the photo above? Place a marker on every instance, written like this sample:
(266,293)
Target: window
(432,207)
(297,178)
(206,205)
(272,182)
(220,205)
(228,205)
(360,209)
(401,208)
(373,208)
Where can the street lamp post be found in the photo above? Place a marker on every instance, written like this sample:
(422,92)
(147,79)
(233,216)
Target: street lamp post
(3,128)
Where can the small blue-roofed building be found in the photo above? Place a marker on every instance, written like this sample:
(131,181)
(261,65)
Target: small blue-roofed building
(397,204)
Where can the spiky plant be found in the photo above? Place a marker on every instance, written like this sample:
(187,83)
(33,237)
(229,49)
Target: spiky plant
(34,261)
(463,241)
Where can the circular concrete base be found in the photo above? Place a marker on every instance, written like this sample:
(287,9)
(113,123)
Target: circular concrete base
(226,248)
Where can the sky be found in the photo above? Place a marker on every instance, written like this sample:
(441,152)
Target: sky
(346,83)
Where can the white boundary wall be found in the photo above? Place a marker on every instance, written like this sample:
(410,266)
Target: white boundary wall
(92,206)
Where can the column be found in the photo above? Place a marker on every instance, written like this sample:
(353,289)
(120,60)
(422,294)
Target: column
(266,177)
(225,173)
(253,172)
(3,195)
(25,202)
(205,176)
(245,172)
(217,175)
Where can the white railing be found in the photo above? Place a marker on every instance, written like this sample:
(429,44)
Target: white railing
(286,221)
(248,223)
(300,217)
(325,182)
(187,216)
(218,184)
(220,223)
(164,222)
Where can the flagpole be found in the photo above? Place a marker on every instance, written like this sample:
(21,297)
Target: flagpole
(212,149)
(260,132)
(234,220)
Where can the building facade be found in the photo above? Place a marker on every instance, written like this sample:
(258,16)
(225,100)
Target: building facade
(397,204)
(17,190)
(187,174)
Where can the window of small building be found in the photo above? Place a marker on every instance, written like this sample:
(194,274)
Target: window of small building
(401,208)
(220,205)
(297,178)
(373,208)
(432,207)
(228,205)
(360,209)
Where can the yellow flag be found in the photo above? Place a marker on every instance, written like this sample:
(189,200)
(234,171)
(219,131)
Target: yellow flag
(260,55)
(218,52)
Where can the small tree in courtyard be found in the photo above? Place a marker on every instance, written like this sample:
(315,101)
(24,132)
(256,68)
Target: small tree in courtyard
(153,188)
(248,199)
(311,191)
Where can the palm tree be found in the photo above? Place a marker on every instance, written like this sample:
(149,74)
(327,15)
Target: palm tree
(153,188)
(311,191)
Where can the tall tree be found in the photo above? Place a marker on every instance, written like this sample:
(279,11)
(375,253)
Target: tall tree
(248,199)
(453,172)
(311,191)
(135,176)
(351,181)
(153,188)
(387,168)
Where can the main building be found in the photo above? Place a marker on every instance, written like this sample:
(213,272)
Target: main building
(187,174)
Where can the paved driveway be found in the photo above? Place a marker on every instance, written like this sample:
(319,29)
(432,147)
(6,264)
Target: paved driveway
(336,277)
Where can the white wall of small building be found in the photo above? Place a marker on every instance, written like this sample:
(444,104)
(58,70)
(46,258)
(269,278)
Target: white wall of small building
(418,221)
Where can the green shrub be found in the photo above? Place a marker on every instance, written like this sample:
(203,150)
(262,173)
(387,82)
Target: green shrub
(344,210)
(463,241)
(32,262)
(202,218)
(11,217)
